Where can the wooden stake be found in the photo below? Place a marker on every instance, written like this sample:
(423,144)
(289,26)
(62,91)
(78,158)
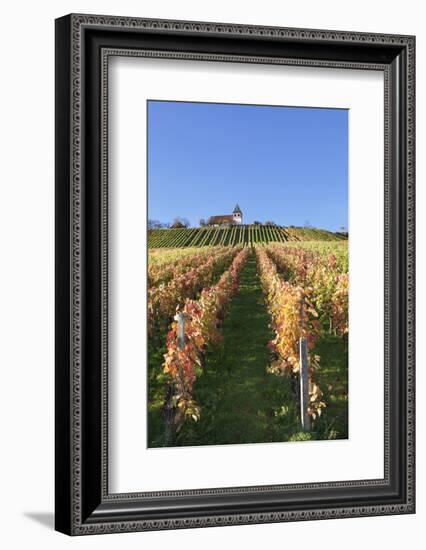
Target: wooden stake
(181,330)
(304,385)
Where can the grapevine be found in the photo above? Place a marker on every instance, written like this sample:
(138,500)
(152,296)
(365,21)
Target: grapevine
(288,304)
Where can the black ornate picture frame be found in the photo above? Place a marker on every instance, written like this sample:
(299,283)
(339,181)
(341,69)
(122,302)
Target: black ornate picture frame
(84,43)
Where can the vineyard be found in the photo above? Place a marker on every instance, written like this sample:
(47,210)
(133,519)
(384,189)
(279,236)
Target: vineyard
(236,235)
(225,327)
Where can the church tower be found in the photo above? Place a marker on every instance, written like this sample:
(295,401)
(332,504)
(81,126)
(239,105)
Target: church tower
(237,215)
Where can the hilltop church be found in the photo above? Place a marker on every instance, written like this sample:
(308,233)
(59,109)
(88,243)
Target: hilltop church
(236,218)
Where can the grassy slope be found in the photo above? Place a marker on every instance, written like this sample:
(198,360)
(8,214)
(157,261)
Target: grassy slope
(332,378)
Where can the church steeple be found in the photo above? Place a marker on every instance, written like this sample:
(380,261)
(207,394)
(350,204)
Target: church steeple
(237,215)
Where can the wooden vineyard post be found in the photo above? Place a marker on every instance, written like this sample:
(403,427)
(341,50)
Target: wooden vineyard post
(171,413)
(304,385)
(303,373)
(181,330)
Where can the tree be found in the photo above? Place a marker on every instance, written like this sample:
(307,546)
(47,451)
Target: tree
(202,222)
(180,222)
(177,224)
(156,224)
(257,223)
(269,222)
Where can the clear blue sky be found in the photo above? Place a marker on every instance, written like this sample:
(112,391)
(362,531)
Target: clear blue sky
(285,164)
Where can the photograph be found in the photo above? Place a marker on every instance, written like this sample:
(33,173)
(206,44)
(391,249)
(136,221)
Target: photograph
(247,273)
(234,273)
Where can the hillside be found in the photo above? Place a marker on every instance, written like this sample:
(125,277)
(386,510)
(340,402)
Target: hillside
(233,235)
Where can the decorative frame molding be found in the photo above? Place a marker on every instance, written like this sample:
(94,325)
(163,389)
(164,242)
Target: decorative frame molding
(84,44)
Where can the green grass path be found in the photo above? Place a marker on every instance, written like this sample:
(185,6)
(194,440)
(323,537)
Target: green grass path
(240,401)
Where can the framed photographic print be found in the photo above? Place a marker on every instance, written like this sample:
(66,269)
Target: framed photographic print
(234,274)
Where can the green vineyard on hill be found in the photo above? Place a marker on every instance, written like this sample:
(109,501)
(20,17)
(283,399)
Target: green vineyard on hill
(236,235)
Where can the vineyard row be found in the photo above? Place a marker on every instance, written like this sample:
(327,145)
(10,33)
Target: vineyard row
(183,362)
(165,298)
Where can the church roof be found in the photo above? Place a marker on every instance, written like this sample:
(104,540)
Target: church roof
(221,219)
(237,209)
